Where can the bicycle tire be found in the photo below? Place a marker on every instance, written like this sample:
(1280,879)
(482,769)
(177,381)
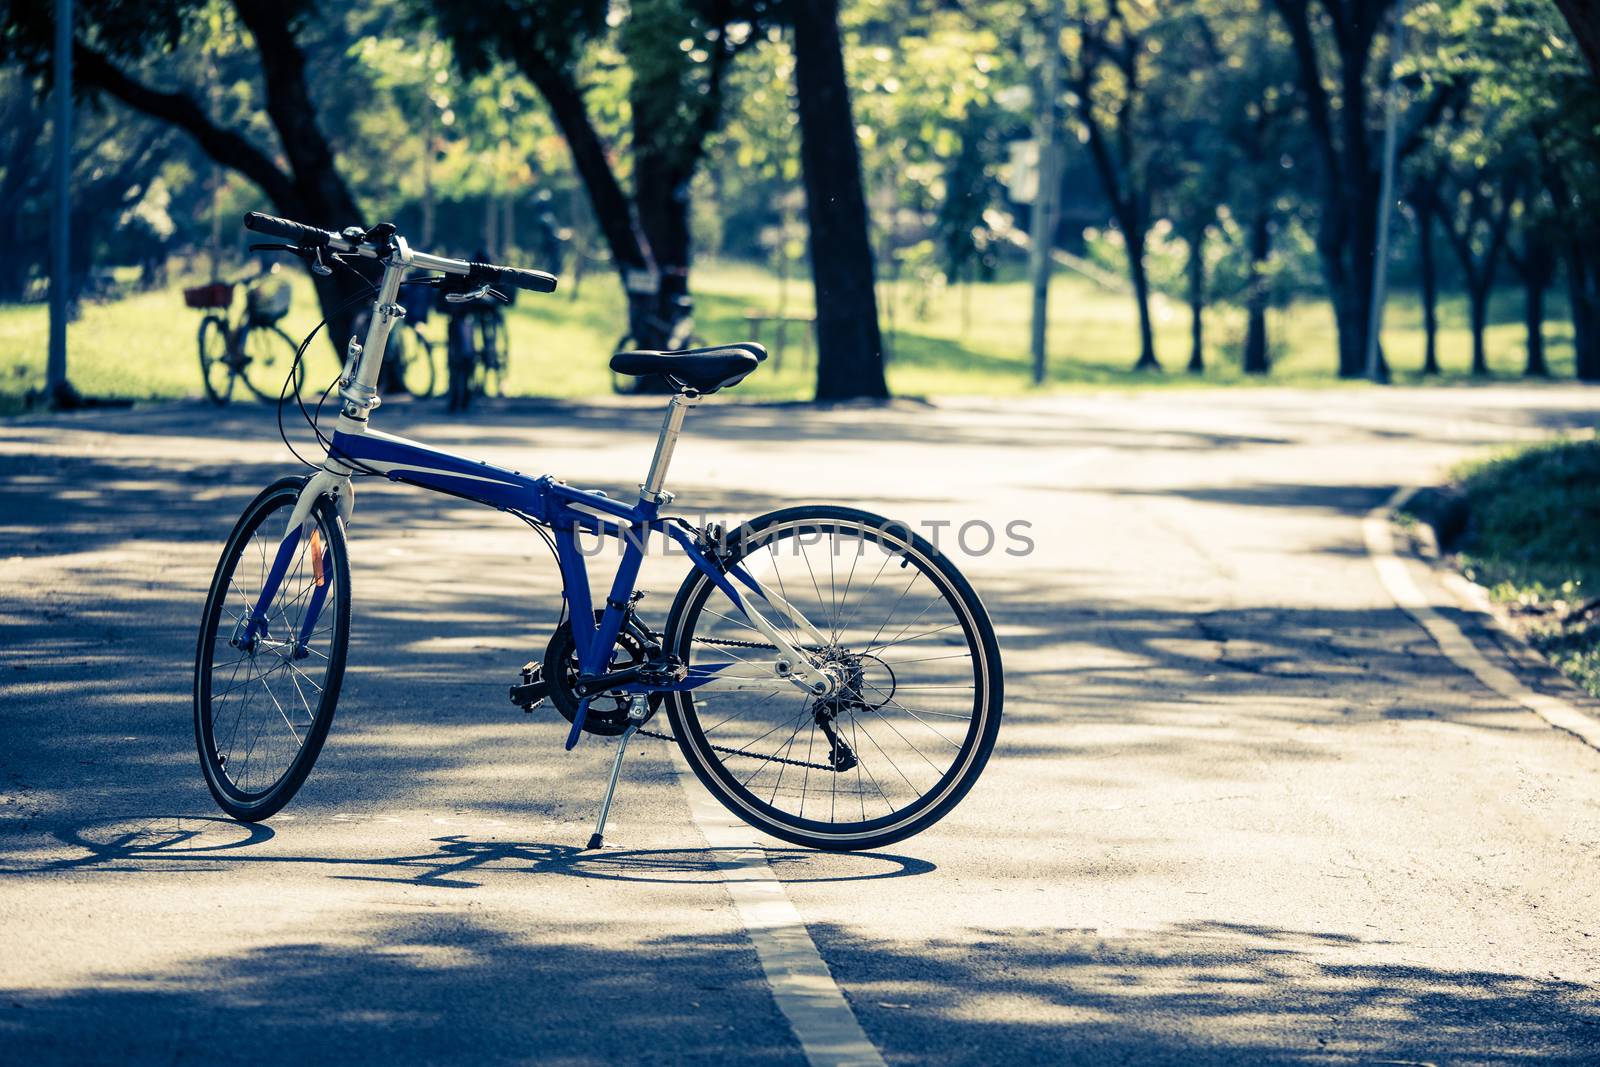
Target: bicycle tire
(623,384)
(265,362)
(418,372)
(218,709)
(710,755)
(490,358)
(216,372)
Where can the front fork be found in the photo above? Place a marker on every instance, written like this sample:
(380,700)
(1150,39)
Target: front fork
(254,626)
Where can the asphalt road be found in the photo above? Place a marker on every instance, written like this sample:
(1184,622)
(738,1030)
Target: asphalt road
(1242,810)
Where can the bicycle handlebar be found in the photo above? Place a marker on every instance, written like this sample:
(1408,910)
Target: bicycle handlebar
(311,237)
(296,233)
(535,281)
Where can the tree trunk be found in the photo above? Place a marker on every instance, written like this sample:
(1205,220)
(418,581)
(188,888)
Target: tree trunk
(1197,303)
(1583,17)
(1429,270)
(1256,359)
(321,196)
(1141,294)
(1478,312)
(1582,284)
(1536,266)
(662,199)
(849,347)
(1348,179)
(1533,318)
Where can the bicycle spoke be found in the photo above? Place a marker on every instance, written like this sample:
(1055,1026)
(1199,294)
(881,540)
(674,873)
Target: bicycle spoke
(875,672)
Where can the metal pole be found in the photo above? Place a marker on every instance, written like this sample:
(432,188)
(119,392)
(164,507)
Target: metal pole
(1380,266)
(1044,199)
(57,388)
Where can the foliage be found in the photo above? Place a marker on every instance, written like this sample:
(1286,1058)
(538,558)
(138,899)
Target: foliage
(1530,540)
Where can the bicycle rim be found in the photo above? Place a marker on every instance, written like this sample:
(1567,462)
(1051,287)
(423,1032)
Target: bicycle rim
(912,728)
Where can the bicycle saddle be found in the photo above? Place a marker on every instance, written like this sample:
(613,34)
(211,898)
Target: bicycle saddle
(704,370)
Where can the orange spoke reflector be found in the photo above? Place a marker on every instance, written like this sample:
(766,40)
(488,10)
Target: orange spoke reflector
(316,555)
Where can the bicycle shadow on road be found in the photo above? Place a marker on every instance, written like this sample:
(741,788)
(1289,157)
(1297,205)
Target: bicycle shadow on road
(187,843)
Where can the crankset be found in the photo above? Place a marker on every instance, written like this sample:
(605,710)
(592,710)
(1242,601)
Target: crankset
(559,679)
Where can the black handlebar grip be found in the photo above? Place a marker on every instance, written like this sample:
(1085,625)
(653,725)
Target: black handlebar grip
(294,232)
(535,281)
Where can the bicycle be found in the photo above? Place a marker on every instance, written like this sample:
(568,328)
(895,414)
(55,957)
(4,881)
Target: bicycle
(409,362)
(228,353)
(478,350)
(800,710)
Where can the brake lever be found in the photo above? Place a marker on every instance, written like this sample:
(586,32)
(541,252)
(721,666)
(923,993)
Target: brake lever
(312,256)
(476,294)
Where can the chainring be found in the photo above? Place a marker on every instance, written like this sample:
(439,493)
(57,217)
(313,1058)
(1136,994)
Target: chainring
(608,712)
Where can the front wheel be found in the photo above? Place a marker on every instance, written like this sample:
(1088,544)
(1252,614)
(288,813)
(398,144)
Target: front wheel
(218,367)
(418,373)
(914,718)
(262,705)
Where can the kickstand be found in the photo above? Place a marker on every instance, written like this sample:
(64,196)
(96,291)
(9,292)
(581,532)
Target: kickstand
(597,839)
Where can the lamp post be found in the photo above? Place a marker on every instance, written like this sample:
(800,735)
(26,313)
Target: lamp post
(59,391)
(1376,371)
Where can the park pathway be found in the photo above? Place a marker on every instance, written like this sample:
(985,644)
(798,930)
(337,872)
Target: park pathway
(1242,809)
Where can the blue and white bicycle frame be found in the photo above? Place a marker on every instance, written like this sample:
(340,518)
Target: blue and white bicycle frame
(568,511)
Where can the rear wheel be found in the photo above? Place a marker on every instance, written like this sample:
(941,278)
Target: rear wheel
(261,713)
(271,357)
(915,716)
(494,356)
(216,365)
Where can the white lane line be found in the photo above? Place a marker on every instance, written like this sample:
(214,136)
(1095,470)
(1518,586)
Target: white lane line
(801,983)
(1456,646)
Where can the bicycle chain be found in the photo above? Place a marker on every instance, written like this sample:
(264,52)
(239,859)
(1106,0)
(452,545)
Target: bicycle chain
(739,752)
(724,748)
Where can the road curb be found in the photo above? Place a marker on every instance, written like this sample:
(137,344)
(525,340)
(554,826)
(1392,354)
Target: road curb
(1378,529)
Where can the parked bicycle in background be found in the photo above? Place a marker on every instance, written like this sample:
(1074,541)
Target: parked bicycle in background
(252,350)
(409,364)
(478,348)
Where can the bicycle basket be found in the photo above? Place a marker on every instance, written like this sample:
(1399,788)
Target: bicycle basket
(215,295)
(268,302)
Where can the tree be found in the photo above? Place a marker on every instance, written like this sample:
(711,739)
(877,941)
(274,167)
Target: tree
(849,346)
(117,39)
(675,101)
(1108,76)
(1535,263)
(1423,196)
(1583,18)
(1476,219)
(1334,43)
(1518,65)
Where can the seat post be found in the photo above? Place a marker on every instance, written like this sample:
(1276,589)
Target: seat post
(671,428)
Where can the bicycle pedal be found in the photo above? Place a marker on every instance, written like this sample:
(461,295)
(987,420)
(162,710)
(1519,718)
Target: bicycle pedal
(533,690)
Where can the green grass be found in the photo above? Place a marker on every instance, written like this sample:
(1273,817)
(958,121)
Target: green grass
(956,341)
(1530,539)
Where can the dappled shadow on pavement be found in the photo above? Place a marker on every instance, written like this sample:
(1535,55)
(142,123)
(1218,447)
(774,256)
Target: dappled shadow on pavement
(1203,992)
(391,988)
(175,843)
(410,987)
